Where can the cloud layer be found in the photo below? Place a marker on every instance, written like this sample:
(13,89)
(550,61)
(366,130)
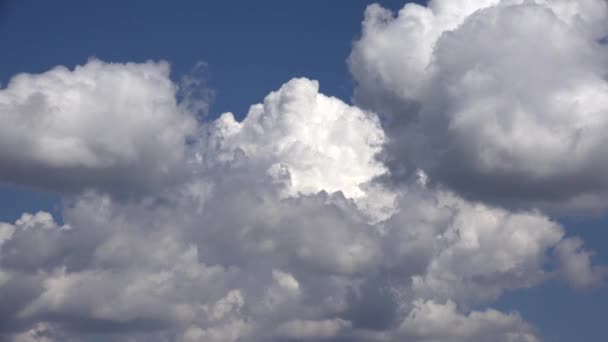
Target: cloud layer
(279,227)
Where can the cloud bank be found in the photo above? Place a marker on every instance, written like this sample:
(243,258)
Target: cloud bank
(297,223)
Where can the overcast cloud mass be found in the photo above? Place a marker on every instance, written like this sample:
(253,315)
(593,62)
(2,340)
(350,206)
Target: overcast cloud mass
(404,217)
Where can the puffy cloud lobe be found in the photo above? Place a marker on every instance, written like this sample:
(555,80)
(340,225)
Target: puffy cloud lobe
(393,53)
(308,140)
(312,330)
(429,321)
(501,100)
(40,333)
(485,251)
(576,265)
(244,250)
(100,126)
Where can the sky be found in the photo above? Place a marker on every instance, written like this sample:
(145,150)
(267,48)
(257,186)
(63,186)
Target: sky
(286,171)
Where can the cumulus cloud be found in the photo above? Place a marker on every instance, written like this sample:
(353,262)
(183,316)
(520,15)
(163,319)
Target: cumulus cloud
(163,270)
(486,250)
(310,141)
(312,330)
(100,125)
(286,225)
(576,264)
(239,251)
(503,101)
(429,321)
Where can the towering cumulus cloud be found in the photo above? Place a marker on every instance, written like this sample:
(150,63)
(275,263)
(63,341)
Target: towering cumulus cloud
(294,224)
(500,100)
(314,141)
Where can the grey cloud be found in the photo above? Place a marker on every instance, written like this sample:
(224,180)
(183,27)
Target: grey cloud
(167,271)
(430,321)
(502,101)
(100,126)
(576,265)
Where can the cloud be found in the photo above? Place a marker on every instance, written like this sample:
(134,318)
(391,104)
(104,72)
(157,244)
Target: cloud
(312,330)
(280,229)
(430,321)
(502,101)
(194,95)
(485,251)
(309,140)
(576,265)
(101,126)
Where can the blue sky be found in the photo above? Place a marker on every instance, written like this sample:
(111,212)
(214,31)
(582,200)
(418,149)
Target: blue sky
(249,48)
(241,41)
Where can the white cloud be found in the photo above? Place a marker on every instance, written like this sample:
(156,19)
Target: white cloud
(392,57)
(286,281)
(310,141)
(503,101)
(576,265)
(39,333)
(485,250)
(100,125)
(430,321)
(312,330)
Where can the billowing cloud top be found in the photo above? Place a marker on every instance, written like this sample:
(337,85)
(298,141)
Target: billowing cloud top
(311,141)
(297,222)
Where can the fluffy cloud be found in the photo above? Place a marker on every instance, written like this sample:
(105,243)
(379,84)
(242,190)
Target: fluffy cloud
(312,330)
(486,250)
(99,126)
(305,139)
(576,264)
(503,101)
(429,321)
(279,227)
